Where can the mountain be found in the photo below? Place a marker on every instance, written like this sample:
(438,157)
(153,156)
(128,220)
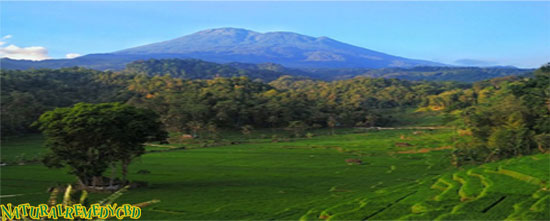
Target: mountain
(285,48)
(225,45)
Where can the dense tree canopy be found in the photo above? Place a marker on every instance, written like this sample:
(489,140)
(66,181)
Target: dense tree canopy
(223,102)
(512,119)
(235,102)
(27,94)
(90,137)
(198,69)
(431,73)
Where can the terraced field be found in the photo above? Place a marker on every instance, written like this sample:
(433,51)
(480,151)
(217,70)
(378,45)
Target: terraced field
(314,179)
(515,189)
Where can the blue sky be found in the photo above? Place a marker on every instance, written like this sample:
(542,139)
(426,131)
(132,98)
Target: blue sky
(485,33)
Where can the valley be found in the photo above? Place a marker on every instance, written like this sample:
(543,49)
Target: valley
(274,110)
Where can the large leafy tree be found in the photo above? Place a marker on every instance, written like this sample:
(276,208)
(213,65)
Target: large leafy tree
(90,137)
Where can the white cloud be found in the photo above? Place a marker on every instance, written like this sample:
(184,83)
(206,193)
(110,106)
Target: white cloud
(72,55)
(34,53)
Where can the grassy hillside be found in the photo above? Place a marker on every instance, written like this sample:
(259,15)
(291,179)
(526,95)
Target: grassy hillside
(512,189)
(309,178)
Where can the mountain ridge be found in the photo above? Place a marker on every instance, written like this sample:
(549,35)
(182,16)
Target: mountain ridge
(226,45)
(287,48)
(267,72)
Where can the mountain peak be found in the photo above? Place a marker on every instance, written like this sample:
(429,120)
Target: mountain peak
(226,31)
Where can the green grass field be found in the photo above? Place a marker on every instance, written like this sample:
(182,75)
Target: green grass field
(28,147)
(309,179)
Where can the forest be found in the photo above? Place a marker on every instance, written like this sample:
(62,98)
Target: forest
(185,103)
(225,102)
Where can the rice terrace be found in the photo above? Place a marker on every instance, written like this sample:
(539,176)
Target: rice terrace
(235,124)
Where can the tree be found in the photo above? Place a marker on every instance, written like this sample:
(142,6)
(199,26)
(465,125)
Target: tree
(331,122)
(272,121)
(212,130)
(297,127)
(246,130)
(543,142)
(194,126)
(134,126)
(90,137)
(500,143)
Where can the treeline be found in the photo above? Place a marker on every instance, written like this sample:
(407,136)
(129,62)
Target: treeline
(266,72)
(499,118)
(478,92)
(236,102)
(198,69)
(28,94)
(462,74)
(364,91)
(220,102)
